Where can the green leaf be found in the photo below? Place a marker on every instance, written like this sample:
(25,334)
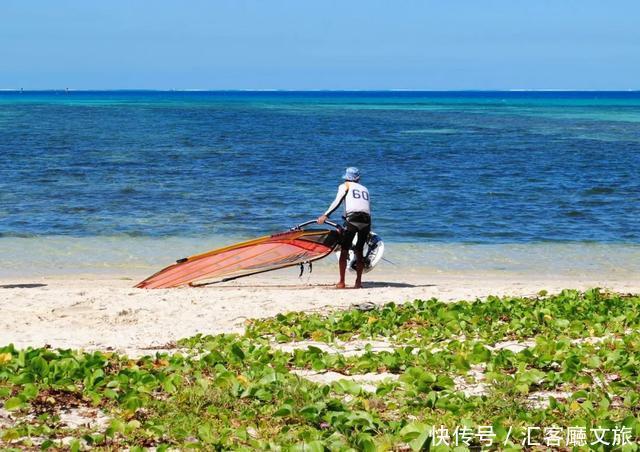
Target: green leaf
(263,394)
(365,442)
(205,434)
(10,434)
(29,392)
(422,442)
(411,431)
(46,444)
(74,446)
(348,387)
(284,410)
(480,353)
(310,412)
(314,446)
(13,404)
(237,352)
(461,363)
(562,324)
(116,426)
(168,386)
(39,366)
(270,377)
(132,425)
(444,382)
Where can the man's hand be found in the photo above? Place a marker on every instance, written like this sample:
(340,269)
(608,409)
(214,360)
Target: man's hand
(321,219)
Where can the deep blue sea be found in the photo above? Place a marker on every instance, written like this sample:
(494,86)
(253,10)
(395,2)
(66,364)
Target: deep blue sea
(452,167)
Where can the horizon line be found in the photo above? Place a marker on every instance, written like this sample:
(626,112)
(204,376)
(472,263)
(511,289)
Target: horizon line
(320,90)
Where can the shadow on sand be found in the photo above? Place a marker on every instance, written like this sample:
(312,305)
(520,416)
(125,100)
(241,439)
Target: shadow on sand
(380,284)
(262,286)
(366,285)
(21,286)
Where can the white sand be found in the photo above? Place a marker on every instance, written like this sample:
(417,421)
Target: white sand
(100,312)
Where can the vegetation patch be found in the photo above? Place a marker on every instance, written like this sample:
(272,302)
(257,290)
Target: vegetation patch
(558,372)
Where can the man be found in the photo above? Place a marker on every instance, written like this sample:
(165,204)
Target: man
(357,221)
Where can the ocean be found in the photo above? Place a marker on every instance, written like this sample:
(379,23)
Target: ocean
(94,178)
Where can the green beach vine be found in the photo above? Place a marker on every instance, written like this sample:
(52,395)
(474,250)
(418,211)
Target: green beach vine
(500,373)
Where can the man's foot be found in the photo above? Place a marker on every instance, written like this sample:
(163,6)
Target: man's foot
(340,285)
(358,286)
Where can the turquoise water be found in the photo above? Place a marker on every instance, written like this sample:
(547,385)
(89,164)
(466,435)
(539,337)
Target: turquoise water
(485,168)
(140,256)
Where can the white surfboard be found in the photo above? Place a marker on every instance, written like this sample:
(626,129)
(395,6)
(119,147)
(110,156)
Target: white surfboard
(373,251)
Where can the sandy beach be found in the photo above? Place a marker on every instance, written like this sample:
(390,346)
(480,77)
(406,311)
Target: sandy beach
(104,312)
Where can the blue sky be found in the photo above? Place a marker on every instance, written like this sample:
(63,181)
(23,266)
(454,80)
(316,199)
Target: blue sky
(298,44)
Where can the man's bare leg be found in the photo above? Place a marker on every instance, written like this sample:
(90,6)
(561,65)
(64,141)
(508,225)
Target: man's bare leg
(359,269)
(343,268)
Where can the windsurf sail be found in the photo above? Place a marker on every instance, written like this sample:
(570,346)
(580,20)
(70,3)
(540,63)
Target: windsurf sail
(294,247)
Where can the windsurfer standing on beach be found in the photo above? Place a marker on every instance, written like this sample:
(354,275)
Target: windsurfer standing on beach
(357,221)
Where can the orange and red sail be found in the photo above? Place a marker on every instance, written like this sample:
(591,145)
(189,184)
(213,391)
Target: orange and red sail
(247,258)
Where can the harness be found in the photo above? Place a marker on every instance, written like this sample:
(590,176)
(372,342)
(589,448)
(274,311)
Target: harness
(358,220)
